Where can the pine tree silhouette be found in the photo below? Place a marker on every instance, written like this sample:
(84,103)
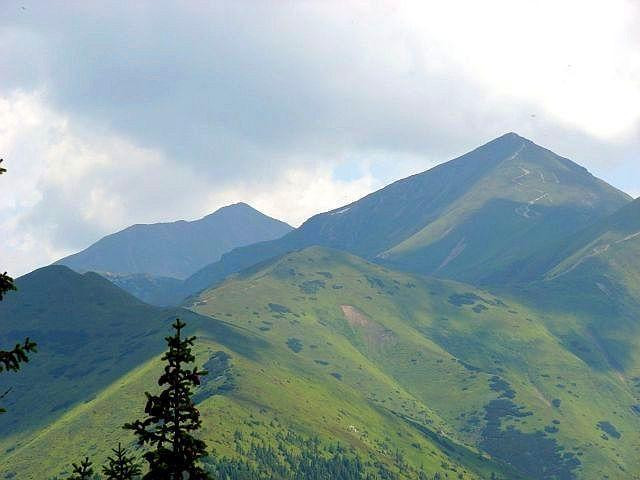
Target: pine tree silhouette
(172,417)
(121,466)
(84,471)
(10,360)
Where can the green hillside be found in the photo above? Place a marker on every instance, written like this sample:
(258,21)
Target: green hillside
(464,354)
(596,278)
(614,242)
(473,219)
(89,333)
(99,352)
(407,371)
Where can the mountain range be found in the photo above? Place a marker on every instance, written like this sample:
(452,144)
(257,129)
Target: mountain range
(478,320)
(150,261)
(474,219)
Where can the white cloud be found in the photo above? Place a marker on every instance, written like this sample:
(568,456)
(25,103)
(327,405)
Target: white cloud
(299,193)
(64,188)
(576,60)
(67,188)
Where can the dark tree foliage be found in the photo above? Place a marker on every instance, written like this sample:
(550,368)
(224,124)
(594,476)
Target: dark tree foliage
(10,360)
(83,471)
(172,417)
(6,284)
(121,466)
(293,457)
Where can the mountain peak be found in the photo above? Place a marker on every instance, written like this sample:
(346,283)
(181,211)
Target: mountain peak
(177,249)
(504,146)
(233,208)
(511,135)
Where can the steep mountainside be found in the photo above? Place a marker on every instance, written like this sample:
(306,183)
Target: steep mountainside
(475,218)
(596,276)
(99,352)
(89,333)
(405,370)
(614,242)
(177,249)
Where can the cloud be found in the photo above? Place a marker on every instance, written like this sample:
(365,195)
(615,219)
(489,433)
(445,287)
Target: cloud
(71,187)
(67,187)
(148,111)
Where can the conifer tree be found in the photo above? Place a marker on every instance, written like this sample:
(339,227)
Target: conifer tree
(83,471)
(172,416)
(10,360)
(121,466)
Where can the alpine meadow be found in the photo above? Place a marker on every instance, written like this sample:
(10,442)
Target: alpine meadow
(373,281)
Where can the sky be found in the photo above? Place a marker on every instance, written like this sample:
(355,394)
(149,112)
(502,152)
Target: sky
(121,112)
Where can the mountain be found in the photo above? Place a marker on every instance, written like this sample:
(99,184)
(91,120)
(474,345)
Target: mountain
(596,276)
(154,290)
(407,372)
(493,372)
(610,248)
(89,332)
(99,352)
(472,219)
(176,249)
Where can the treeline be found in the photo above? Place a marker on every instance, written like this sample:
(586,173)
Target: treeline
(294,457)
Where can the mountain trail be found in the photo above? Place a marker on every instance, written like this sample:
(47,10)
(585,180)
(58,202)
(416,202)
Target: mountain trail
(628,237)
(525,210)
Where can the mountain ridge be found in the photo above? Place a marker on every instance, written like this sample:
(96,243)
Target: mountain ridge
(440,221)
(176,249)
(71,315)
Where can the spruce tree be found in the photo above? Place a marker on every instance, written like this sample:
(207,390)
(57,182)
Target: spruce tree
(121,466)
(172,416)
(84,471)
(10,360)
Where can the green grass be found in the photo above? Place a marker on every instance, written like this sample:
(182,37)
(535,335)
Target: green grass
(440,353)
(325,344)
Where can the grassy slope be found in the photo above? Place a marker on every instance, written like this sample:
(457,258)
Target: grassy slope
(276,391)
(89,333)
(597,278)
(424,350)
(418,338)
(614,241)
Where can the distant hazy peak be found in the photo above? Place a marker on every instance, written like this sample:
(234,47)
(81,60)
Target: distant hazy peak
(177,249)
